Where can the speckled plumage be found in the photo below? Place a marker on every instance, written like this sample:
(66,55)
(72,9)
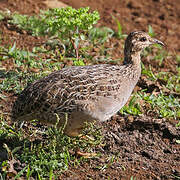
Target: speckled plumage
(85,93)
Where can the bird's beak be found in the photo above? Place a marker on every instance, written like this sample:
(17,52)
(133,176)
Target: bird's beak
(155,41)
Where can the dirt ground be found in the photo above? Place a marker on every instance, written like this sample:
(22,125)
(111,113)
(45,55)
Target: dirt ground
(145,146)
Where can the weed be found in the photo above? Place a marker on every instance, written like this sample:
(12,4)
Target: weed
(163,105)
(78,62)
(119,33)
(151,31)
(133,178)
(148,72)
(100,34)
(108,164)
(170,81)
(160,57)
(133,107)
(1,17)
(46,157)
(70,25)
(178,124)
(4,14)
(16,81)
(178,58)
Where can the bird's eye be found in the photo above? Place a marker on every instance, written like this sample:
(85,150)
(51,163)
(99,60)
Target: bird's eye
(143,39)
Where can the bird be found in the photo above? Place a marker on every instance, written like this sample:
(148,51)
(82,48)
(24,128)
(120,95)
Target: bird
(75,95)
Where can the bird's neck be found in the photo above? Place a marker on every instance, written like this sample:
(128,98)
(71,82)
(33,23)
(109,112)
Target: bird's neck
(132,57)
(132,60)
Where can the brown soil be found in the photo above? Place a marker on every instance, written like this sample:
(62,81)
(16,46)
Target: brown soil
(145,146)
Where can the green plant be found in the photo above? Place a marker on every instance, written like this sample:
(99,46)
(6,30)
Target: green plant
(178,124)
(164,105)
(108,164)
(49,155)
(161,55)
(119,33)
(78,62)
(133,178)
(151,31)
(70,25)
(1,17)
(178,58)
(15,82)
(148,72)
(18,55)
(170,81)
(100,34)
(4,14)
(133,107)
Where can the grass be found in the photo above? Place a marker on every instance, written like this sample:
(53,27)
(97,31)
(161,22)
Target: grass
(44,152)
(100,35)
(133,108)
(110,160)
(151,31)
(119,33)
(162,105)
(44,156)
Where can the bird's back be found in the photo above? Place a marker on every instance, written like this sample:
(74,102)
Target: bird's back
(99,90)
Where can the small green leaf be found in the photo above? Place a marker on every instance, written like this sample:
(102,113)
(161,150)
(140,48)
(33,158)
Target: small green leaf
(151,31)
(12,49)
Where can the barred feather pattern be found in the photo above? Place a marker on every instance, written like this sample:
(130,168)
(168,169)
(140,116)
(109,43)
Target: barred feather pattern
(74,89)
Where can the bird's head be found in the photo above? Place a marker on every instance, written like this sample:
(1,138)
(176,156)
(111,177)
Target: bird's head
(138,40)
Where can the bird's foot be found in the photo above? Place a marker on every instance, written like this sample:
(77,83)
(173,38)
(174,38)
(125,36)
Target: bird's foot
(85,154)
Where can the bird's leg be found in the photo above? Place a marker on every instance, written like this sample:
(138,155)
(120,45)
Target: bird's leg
(85,154)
